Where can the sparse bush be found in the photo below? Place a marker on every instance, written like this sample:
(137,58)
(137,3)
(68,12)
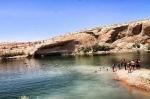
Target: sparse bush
(94,48)
(87,49)
(98,47)
(84,49)
(11,48)
(4,47)
(12,54)
(136,45)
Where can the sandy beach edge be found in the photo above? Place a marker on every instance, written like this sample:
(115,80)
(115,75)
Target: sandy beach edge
(138,78)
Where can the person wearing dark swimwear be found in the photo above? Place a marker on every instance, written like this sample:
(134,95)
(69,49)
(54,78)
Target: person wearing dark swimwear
(119,65)
(124,64)
(137,63)
(113,67)
(129,67)
(133,64)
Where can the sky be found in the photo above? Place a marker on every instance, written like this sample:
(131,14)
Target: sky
(29,20)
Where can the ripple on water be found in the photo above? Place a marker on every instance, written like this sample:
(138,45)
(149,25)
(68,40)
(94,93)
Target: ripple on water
(68,80)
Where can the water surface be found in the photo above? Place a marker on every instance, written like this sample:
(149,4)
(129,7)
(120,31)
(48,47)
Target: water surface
(67,78)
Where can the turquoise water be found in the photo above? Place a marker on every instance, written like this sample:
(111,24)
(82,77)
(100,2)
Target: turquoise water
(67,78)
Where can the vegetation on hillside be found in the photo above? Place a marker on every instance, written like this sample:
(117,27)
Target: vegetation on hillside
(136,45)
(11,54)
(94,48)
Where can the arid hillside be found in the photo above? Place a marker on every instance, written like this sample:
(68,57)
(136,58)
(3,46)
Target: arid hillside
(124,37)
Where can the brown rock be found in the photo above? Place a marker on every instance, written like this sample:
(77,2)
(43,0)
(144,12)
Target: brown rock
(119,36)
(146,28)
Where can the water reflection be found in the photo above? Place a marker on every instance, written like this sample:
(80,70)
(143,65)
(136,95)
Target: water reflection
(24,97)
(19,65)
(65,78)
(108,60)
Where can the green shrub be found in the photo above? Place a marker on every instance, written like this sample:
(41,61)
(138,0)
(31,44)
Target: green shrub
(136,45)
(97,47)
(87,49)
(94,48)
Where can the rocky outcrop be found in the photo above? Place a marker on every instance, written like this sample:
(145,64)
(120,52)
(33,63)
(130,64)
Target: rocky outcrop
(120,37)
(146,28)
(116,33)
(58,48)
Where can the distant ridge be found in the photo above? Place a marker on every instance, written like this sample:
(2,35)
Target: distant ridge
(124,37)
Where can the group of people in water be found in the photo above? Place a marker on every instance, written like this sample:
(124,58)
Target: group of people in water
(127,65)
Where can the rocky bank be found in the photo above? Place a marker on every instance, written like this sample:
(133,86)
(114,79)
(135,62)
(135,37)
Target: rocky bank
(138,78)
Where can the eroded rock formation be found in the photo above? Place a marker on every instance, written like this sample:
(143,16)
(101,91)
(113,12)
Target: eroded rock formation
(119,37)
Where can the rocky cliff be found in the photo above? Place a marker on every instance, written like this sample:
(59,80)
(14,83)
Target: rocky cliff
(114,38)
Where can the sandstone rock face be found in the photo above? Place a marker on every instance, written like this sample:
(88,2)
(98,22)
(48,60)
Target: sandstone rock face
(127,36)
(146,28)
(134,29)
(117,33)
(122,36)
(119,37)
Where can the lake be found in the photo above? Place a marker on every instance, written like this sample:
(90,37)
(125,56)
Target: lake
(67,78)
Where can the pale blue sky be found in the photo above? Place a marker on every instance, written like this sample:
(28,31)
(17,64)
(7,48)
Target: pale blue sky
(42,19)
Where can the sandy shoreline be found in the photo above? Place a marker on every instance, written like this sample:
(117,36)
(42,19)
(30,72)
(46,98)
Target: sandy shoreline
(138,78)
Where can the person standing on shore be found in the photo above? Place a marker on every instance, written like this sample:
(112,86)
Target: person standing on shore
(124,64)
(137,63)
(113,67)
(129,66)
(133,64)
(119,66)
